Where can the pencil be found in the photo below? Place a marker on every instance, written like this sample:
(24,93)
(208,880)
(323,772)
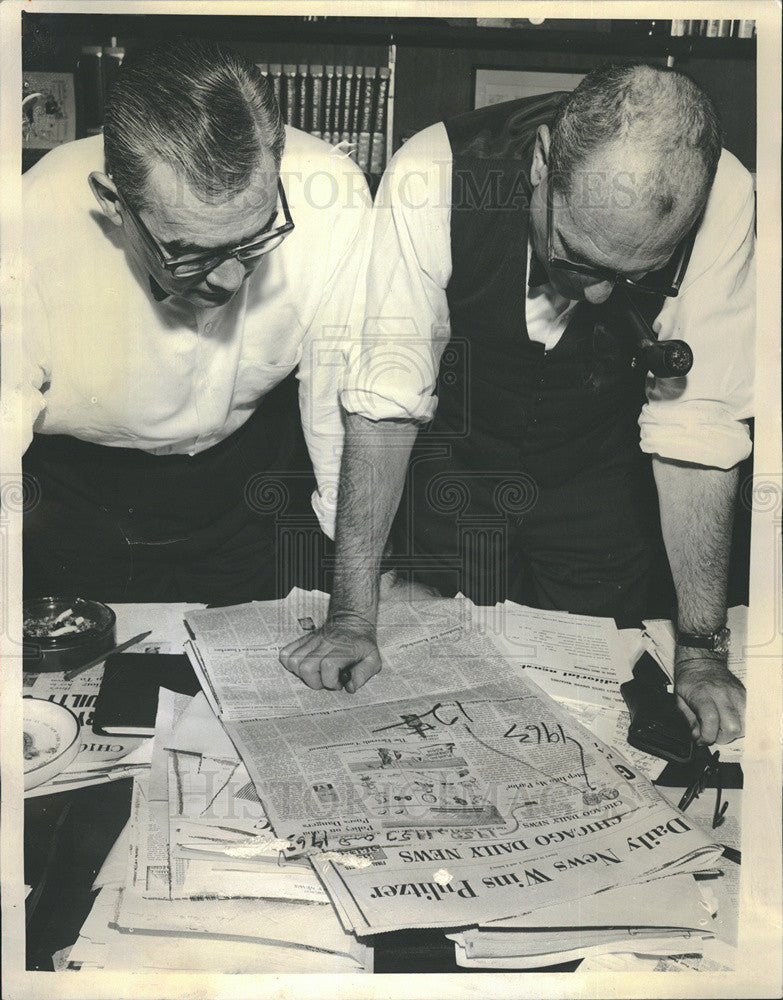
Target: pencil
(70,674)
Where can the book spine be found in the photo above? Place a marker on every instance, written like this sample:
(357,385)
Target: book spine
(345,124)
(356,104)
(302,104)
(368,93)
(339,98)
(358,82)
(364,138)
(713,29)
(289,73)
(747,29)
(316,100)
(377,152)
(380,103)
(328,111)
(363,144)
(724,30)
(275,74)
(678,28)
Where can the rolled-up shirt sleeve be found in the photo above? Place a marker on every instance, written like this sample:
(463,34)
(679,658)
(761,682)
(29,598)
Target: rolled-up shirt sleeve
(702,417)
(23,396)
(406,325)
(334,335)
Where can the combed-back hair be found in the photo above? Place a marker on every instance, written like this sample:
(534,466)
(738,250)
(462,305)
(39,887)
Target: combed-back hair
(197,106)
(659,113)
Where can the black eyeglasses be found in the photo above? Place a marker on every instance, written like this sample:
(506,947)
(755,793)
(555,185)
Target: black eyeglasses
(710,769)
(193,265)
(664,281)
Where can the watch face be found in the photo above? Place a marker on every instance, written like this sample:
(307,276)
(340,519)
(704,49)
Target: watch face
(721,641)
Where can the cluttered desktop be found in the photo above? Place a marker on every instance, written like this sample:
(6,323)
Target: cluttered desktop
(494,799)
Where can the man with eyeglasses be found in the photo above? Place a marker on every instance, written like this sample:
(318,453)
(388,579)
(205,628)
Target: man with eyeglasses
(509,245)
(189,281)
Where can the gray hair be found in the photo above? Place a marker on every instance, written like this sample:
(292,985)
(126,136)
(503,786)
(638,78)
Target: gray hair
(659,112)
(200,108)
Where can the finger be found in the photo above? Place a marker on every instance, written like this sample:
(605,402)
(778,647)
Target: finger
(363,671)
(731,723)
(309,671)
(332,667)
(691,719)
(709,721)
(293,652)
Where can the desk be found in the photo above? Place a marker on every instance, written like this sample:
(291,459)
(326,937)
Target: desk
(68,836)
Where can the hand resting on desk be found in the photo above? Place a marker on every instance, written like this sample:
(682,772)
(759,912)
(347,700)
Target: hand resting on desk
(710,696)
(343,653)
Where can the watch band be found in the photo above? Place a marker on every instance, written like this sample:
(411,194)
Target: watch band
(716,642)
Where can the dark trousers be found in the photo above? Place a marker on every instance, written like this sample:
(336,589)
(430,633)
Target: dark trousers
(119,524)
(589,543)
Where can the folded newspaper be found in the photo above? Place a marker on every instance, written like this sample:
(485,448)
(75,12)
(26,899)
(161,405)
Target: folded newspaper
(450,790)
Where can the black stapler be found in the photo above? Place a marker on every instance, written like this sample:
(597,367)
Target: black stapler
(657,726)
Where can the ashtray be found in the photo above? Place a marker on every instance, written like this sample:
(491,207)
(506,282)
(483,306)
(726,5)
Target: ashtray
(51,740)
(61,633)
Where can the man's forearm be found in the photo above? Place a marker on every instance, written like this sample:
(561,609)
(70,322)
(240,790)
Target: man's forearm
(372,474)
(697,514)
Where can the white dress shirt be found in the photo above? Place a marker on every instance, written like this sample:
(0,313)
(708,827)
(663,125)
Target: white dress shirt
(107,363)
(699,418)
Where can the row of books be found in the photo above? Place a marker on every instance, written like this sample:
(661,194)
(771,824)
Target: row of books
(715,28)
(340,104)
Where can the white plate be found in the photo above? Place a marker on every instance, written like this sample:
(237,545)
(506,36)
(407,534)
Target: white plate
(51,740)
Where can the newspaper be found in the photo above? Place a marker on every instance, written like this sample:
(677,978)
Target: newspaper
(475,880)
(426,646)
(466,795)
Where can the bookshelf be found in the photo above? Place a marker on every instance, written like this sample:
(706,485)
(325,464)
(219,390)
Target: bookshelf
(430,61)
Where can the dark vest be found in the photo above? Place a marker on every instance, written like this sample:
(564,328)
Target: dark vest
(513,419)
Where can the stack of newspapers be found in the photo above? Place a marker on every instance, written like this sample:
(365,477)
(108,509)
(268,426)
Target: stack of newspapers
(198,859)
(451,791)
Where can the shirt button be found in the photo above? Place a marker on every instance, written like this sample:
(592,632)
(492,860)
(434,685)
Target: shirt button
(131,510)
(94,399)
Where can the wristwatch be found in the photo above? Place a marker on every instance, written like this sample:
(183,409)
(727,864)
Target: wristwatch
(716,642)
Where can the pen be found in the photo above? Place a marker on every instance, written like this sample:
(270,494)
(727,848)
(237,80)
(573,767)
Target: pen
(70,674)
(731,854)
(708,873)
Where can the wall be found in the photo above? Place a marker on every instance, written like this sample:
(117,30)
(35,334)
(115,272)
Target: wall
(434,83)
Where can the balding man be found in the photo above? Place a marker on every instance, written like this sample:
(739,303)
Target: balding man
(507,245)
(183,270)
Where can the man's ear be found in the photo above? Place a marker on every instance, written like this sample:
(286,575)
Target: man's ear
(538,167)
(105,191)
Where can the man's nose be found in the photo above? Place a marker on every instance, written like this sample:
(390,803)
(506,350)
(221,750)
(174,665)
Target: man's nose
(227,277)
(598,293)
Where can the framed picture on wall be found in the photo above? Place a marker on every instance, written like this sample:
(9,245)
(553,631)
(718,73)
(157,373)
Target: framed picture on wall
(493,86)
(48,110)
